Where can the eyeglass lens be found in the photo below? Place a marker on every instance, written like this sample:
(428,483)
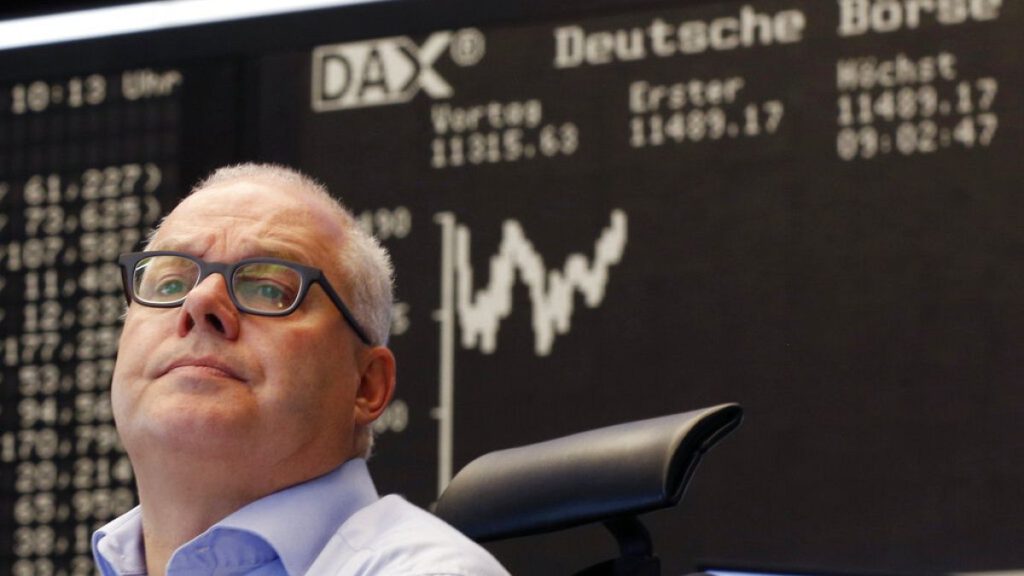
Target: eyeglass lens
(258,286)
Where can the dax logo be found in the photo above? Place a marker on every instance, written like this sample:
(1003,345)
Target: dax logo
(388,70)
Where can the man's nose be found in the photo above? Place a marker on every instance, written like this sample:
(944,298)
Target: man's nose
(208,307)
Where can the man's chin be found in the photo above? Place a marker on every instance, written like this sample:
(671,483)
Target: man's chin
(189,423)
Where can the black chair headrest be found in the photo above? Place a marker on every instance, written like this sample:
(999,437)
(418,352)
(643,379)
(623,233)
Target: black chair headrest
(591,476)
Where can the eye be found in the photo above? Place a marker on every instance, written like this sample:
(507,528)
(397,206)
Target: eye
(164,278)
(263,294)
(269,292)
(171,287)
(164,287)
(266,286)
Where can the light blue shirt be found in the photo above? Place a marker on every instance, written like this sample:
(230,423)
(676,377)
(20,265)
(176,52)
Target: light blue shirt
(333,525)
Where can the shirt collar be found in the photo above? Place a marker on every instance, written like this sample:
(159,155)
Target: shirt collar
(298,521)
(117,546)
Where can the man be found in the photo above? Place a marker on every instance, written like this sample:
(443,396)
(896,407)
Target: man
(251,366)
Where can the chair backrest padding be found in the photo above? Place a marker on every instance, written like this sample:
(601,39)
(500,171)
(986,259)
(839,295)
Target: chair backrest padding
(624,469)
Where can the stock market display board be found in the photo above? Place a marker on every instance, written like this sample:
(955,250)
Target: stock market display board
(598,213)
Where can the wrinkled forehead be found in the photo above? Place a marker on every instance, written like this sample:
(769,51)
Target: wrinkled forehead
(253,218)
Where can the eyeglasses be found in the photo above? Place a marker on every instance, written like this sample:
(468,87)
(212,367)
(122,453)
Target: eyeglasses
(260,286)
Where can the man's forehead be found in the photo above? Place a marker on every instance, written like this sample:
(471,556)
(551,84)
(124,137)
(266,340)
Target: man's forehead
(283,247)
(252,219)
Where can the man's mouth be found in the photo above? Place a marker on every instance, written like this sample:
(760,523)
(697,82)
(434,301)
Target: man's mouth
(203,365)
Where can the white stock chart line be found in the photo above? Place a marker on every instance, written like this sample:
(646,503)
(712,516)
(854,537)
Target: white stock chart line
(552,293)
(479,312)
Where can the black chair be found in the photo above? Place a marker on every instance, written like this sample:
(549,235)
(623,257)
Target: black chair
(608,475)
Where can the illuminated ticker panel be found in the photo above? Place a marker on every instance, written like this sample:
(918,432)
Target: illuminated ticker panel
(598,212)
(88,163)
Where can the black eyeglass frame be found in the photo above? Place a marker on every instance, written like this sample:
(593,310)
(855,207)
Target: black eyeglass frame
(308,276)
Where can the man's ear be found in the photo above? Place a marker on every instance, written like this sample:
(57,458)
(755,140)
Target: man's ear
(376,385)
